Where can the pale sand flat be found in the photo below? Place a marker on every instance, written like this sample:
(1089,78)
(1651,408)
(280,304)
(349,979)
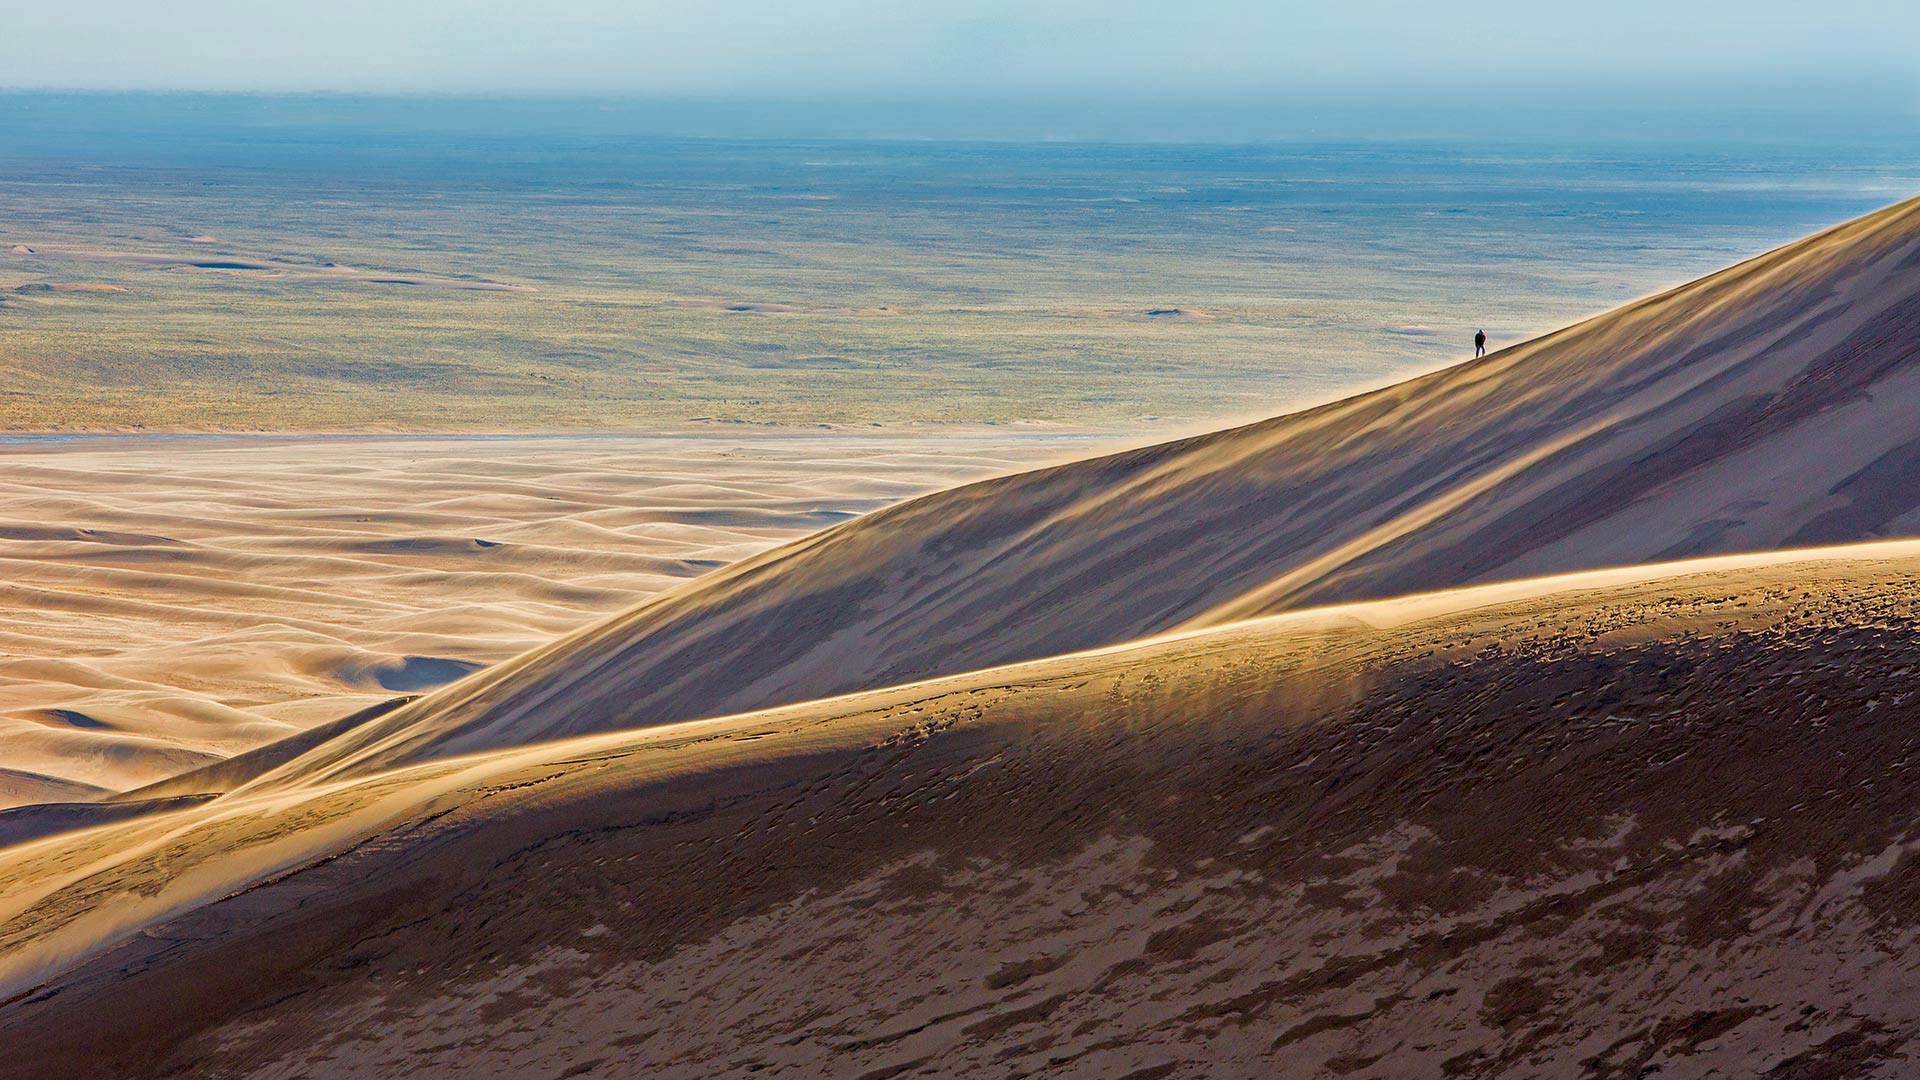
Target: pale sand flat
(165,603)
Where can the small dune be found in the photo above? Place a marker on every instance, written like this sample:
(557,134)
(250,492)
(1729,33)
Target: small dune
(67,718)
(763,307)
(66,287)
(23,823)
(297,271)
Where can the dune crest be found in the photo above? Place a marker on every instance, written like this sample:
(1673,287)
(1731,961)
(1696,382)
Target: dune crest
(1250,754)
(1766,406)
(1269,848)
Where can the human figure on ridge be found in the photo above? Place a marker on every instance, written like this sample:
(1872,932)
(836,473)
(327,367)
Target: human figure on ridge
(1479,343)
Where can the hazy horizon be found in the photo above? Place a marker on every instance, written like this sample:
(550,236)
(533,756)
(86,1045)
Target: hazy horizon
(1092,68)
(74,114)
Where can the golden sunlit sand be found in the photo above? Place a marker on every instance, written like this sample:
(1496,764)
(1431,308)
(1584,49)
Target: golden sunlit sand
(1764,407)
(1271,847)
(166,603)
(1549,715)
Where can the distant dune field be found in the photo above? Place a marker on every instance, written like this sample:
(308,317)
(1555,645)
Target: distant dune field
(335,279)
(1550,715)
(166,603)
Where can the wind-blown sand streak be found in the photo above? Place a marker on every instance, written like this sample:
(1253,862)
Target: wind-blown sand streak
(1768,406)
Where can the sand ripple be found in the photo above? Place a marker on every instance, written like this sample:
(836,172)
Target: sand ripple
(164,603)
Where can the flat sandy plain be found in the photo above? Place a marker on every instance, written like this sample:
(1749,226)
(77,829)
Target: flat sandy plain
(325,269)
(166,602)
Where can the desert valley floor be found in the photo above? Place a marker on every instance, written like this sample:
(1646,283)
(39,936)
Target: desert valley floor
(167,602)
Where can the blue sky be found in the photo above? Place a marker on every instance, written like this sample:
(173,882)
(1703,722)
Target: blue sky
(1772,53)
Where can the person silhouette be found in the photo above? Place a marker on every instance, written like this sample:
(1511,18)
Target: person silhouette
(1479,343)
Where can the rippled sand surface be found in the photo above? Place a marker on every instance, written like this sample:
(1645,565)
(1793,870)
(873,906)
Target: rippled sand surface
(166,602)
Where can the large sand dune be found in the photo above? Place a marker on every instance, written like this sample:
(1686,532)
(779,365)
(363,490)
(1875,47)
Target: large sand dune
(1586,826)
(1308,748)
(1767,406)
(166,603)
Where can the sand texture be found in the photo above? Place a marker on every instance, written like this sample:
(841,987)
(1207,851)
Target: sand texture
(532,278)
(1768,406)
(1485,833)
(1549,716)
(166,603)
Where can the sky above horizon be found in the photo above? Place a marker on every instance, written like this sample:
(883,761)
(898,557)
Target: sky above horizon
(1771,54)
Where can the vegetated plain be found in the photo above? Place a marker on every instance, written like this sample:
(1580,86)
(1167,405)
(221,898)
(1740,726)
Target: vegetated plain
(303,274)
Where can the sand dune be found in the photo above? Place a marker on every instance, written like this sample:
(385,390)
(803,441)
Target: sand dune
(1371,740)
(1763,407)
(1490,832)
(167,603)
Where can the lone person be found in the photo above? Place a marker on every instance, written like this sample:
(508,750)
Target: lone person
(1479,343)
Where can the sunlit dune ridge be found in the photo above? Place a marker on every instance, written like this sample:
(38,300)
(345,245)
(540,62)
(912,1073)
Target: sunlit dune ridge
(1763,407)
(1549,715)
(1273,846)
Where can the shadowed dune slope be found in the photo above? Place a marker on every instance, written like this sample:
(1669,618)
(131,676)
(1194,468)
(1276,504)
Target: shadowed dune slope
(1770,405)
(1512,820)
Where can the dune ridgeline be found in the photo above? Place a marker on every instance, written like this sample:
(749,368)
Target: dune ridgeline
(1548,715)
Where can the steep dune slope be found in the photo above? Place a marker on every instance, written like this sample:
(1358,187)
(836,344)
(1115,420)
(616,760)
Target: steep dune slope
(1769,405)
(1636,820)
